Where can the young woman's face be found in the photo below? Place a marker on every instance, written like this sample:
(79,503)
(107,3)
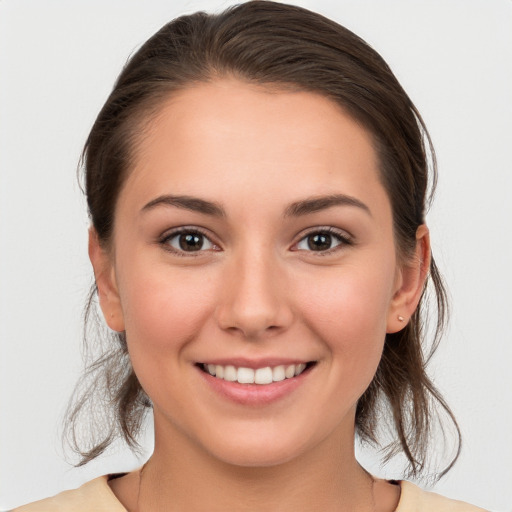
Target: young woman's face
(254,240)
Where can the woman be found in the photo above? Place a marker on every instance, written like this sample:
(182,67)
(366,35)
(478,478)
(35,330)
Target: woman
(257,184)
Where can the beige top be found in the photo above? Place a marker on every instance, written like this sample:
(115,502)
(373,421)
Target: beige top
(97,496)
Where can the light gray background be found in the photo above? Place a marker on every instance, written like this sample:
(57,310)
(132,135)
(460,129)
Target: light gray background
(58,61)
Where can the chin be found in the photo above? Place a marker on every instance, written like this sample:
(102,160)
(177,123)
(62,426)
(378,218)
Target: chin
(261,449)
(256,457)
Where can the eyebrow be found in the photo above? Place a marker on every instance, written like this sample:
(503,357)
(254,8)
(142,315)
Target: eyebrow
(316,204)
(187,203)
(296,209)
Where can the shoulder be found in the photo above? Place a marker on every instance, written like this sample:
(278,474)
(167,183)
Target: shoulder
(414,499)
(94,495)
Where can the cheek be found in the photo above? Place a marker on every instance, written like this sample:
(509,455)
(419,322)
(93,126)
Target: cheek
(350,302)
(348,312)
(163,307)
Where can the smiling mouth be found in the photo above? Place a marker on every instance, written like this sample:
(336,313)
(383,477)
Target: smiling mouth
(261,376)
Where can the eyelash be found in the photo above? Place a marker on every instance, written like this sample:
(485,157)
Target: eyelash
(342,237)
(167,237)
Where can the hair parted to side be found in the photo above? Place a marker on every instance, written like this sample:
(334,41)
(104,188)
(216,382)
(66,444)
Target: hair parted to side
(286,47)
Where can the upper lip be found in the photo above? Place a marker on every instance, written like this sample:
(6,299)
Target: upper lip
(241,362)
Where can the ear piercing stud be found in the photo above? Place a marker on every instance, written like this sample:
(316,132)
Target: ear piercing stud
(401,318)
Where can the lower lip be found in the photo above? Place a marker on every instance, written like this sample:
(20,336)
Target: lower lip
(254,394)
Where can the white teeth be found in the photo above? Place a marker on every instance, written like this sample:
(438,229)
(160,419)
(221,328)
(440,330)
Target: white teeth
(263,375)
(230,373)
(260,376)
(245,375)
(299,368)
(290,371)
(278,373)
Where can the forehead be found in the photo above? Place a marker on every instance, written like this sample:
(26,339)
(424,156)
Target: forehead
(224,136)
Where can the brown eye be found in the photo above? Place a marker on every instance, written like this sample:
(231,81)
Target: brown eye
(191,242)
(323,241)
(188,241)
(319,242)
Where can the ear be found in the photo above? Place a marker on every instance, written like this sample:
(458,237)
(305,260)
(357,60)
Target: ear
(410,282)
(104,275)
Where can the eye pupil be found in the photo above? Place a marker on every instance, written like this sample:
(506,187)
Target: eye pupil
(319,242)
(191,242)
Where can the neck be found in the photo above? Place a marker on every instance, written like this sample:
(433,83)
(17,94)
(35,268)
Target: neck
(182,474)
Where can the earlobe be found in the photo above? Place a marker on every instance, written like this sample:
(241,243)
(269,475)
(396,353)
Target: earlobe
(106,285)
(410,283)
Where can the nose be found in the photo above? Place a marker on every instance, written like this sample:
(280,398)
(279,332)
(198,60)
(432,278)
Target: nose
(254,301)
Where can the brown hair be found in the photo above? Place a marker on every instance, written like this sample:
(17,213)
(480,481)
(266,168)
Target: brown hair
(289,47)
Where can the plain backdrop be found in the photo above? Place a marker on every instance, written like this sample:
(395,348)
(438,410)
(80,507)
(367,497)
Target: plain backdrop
(58,62)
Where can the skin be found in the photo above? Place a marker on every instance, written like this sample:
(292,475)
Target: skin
(255,290)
